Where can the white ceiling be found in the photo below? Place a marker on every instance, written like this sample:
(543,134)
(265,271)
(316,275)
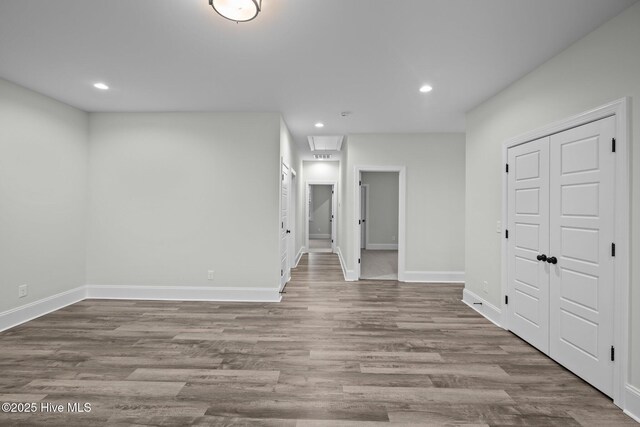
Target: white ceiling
(308,59)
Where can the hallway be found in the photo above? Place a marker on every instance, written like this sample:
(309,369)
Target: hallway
(330,351)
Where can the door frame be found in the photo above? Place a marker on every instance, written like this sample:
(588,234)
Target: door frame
(402,218)
(618,108)
(365,187)
(334,211)
(293,218)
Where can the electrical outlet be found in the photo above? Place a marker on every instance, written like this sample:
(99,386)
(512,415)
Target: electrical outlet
(393,238)
(498,227)
(485,287)
(210,275)
(22,291)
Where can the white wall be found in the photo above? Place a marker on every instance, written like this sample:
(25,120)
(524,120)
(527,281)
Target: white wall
(382,217)
(602,67)
(319,221)
(435,195)
(43,195)
(321,170)
(174,195)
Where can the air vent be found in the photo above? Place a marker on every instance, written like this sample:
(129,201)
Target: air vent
(325,143)
(322,156)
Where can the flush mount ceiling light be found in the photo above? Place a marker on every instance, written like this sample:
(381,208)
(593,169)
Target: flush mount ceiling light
(319,125)
(100,86)
(237,10)
(426,88)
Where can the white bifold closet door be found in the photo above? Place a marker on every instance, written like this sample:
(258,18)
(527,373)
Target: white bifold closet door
(582,231)
(560,263)
(528,204)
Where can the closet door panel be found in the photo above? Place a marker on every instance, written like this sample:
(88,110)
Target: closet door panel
(528,225)
(581,232)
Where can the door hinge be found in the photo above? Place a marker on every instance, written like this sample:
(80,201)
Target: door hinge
(358,260)
(506,299)
(613,353)
(331,240)
(359,222)
(506,169)
(506,234)
(613,145)
(360,183)
(281,272)
(613,249)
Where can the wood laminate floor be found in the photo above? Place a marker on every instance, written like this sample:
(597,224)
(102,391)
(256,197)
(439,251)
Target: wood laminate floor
(331,354)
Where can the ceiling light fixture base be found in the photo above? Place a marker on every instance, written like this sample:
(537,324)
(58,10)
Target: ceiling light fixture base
(237,10)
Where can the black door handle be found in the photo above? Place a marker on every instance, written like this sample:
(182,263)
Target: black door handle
(542,257)
(552,260)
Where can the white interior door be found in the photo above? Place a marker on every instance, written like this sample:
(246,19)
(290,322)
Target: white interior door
(363,217)
(582,200)
(285,270)
(528,242)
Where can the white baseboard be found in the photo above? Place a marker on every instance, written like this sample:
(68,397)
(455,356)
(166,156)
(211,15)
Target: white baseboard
(434,276)
(299,256)
(488,310)
(184,293)
(632,402)
(319,236)
(381,247)
(349,275)
(22,314)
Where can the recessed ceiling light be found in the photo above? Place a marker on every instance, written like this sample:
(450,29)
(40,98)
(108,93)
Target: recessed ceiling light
(319,125)
(100,86)
(426,88)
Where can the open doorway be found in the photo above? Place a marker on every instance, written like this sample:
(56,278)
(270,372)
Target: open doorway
(320,217)
(379,225)
(380,205)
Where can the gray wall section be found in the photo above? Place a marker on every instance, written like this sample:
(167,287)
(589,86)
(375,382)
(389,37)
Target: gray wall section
(601,67)
(174,195)
(383,207)
(43,195)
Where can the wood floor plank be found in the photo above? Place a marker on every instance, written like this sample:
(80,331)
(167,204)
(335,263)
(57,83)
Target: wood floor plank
(332,353)
(427,394)
(205,375)
(107,388)
(376,355)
